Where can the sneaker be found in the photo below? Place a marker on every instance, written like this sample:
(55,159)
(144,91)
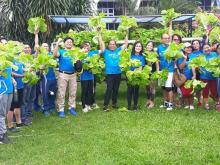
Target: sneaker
(72,111)
(191,107)
(165,104)
(19,125)
(95,106)
(61,114)
(85,110)
(13,130)
(27,122)
(186,107)
(169,106)
(88,108)
(105,108)
(46,113)
(207,107)
(5,140)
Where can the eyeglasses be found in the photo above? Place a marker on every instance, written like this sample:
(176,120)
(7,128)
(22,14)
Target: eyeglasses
(175,39)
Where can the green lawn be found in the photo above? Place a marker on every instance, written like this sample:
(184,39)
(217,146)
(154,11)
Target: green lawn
(143,137)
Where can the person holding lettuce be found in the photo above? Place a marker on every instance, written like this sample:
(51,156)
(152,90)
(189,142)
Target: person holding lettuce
(112,70)
(66,77)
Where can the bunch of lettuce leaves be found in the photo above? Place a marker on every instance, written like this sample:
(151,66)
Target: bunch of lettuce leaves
(196,85)
(37,23)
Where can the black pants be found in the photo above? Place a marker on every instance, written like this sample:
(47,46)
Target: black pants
(87,92)
(94,89)
(133,91)
(113,83)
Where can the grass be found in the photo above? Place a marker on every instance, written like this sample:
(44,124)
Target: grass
(143,137)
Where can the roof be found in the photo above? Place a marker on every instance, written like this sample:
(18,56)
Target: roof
(70,19)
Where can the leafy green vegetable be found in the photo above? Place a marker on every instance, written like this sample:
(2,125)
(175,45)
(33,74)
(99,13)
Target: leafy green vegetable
(168,16)
(214,66)
(139,77)
(214,35)
(30,78)
(95,64)
(4,63)
(96,22)
(43,61)
(151,56)
(173,51)
(195,84)
(37,23)
(206,19)
(197,62)
(126,23)
(160,75)
(75,54)
(123,109)
(126,62)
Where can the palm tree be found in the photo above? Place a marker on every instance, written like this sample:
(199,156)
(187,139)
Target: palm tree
(19,11)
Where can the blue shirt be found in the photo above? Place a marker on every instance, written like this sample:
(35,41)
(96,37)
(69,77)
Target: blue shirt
(164,64)
(112,58)
(65,62)
(160,51)
(186,70)
(88,75)
(20,71)
(6,84)
(206,75)
(195,54)
(138,57)
(50,74)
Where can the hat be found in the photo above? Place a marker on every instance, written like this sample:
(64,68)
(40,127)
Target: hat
(187,44)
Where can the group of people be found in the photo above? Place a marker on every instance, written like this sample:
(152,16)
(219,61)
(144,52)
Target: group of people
(19,99)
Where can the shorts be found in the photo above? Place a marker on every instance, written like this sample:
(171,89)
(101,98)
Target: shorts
(186,92)
(169,81)
(210,89)
(19,102)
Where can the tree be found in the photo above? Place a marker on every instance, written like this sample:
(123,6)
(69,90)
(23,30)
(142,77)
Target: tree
(19,11)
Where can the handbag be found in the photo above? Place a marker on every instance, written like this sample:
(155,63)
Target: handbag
(178,78)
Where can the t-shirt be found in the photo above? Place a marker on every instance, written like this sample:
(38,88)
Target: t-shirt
(88,75)
(6,84)
(160,51)
(20,71)
(50,74)
(194,54)
(65,62)
(112,58)
(186,70)
(138,57)
(206,75)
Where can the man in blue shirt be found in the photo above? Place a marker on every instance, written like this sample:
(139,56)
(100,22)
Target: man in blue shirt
(164,64)
(66,77)
(6,94)
(112,70)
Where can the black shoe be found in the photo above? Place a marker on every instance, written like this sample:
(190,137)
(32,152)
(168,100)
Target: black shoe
(13,130)
(115,106)
(5,140)
(105,108)
(19,125)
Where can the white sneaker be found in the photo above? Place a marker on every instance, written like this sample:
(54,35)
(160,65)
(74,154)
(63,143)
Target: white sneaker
(191,107)
(187,107)
(169,108)
(88,107)
(85,110)
(96,106)
(162,106)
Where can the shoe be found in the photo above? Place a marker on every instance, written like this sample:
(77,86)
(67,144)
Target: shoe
(61,114)
(169,107)
(199,105)
(52,110)
(115,106)
(46,113)
(165,104)
(85,110)
(88,108)
(105,108)
(95,106)
(5,140)
(186,107)
(27,122)
(19,125)
(191,107)
(13,130)
(72,111)
(207,107)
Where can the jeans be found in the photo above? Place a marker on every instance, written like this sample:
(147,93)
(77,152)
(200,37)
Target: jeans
(47,87)
(38,93)
(133,92)
(113,83)
(29,95)
(218,86)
